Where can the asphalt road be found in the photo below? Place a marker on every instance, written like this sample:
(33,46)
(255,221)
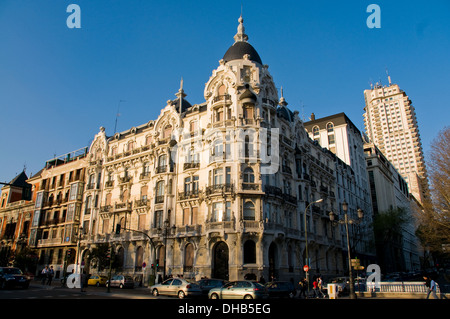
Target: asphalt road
(36,291)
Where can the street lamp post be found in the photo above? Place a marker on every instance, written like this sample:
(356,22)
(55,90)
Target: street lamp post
(166,229)
(347,221)
(80,234)
(306,240)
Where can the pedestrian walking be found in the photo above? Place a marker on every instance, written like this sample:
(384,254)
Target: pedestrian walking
(83,281)
(320,286)
(50,275)
(44,274)
(303,287)
(431,285)
(316,288)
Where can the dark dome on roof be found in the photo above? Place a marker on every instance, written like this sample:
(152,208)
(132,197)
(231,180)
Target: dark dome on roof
(286,113)
(185,104)
(239,49)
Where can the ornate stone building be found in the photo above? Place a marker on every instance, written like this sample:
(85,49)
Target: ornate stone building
(57,196)
(215,189)
(16,212)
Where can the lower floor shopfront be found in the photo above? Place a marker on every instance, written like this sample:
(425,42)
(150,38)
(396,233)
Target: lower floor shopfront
(252,254)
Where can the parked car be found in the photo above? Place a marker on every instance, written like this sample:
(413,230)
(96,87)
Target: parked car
(96,280)
(281,289)
(177,287)
(343,284)
(207,284)
(242,289)
(121,281)
(11,277)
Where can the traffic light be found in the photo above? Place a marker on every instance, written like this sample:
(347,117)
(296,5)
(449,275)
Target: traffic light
(69,253)
(118,229)
(157,262)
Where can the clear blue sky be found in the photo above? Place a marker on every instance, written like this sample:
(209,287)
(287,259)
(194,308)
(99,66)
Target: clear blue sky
(59,85)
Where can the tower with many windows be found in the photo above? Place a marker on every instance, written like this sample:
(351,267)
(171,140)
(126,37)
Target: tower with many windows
(391,124)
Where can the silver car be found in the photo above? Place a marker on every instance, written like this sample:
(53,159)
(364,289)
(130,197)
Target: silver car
(243,289)
(176,287)
(121,281)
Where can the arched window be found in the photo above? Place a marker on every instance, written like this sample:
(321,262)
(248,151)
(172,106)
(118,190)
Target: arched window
(162,163)
(316,134)
(290,261)
(315,131)
(130,146)
(125,195)
(167,131)
(222,89)
(249,177)
(122,223)
(161,257)
(114,150)
(148,139)
(330,128)
(248,147)
(108,199)
(139,258)
(121,257)
(189,258)
(249,211)
(193,126)
(160,192)
(249,252)
(330,131)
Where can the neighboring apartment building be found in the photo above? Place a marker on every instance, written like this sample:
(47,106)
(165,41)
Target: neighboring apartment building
(216,189)
(16,212)
(391,124)
(389,190)
(58,192)
(340,135)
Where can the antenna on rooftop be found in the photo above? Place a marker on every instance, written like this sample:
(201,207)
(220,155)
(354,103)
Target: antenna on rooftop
(302,106)
(117,115)
(389,77)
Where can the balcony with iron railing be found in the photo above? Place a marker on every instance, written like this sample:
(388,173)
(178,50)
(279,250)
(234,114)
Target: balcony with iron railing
(141,202)
(192,165)
(109,184)
(218,226)
(188,194)
(289,198)
(273,190)
(188,230)
(161,169)
(219,188)
(122,206)
(125,179)
(159,199)
(269,102)
(144,176)
(222,99)
(251,186)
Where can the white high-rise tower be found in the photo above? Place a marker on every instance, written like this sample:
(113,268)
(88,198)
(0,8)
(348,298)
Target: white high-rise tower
(391,124)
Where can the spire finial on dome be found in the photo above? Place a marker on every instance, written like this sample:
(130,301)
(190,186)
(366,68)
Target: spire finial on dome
(240,35)
(180,93)
(282,99)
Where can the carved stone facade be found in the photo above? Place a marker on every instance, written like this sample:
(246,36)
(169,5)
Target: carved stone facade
(216,189)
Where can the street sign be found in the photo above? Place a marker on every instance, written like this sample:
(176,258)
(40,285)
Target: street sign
(358,267)
(144,265)
(355,262)
(305,268)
